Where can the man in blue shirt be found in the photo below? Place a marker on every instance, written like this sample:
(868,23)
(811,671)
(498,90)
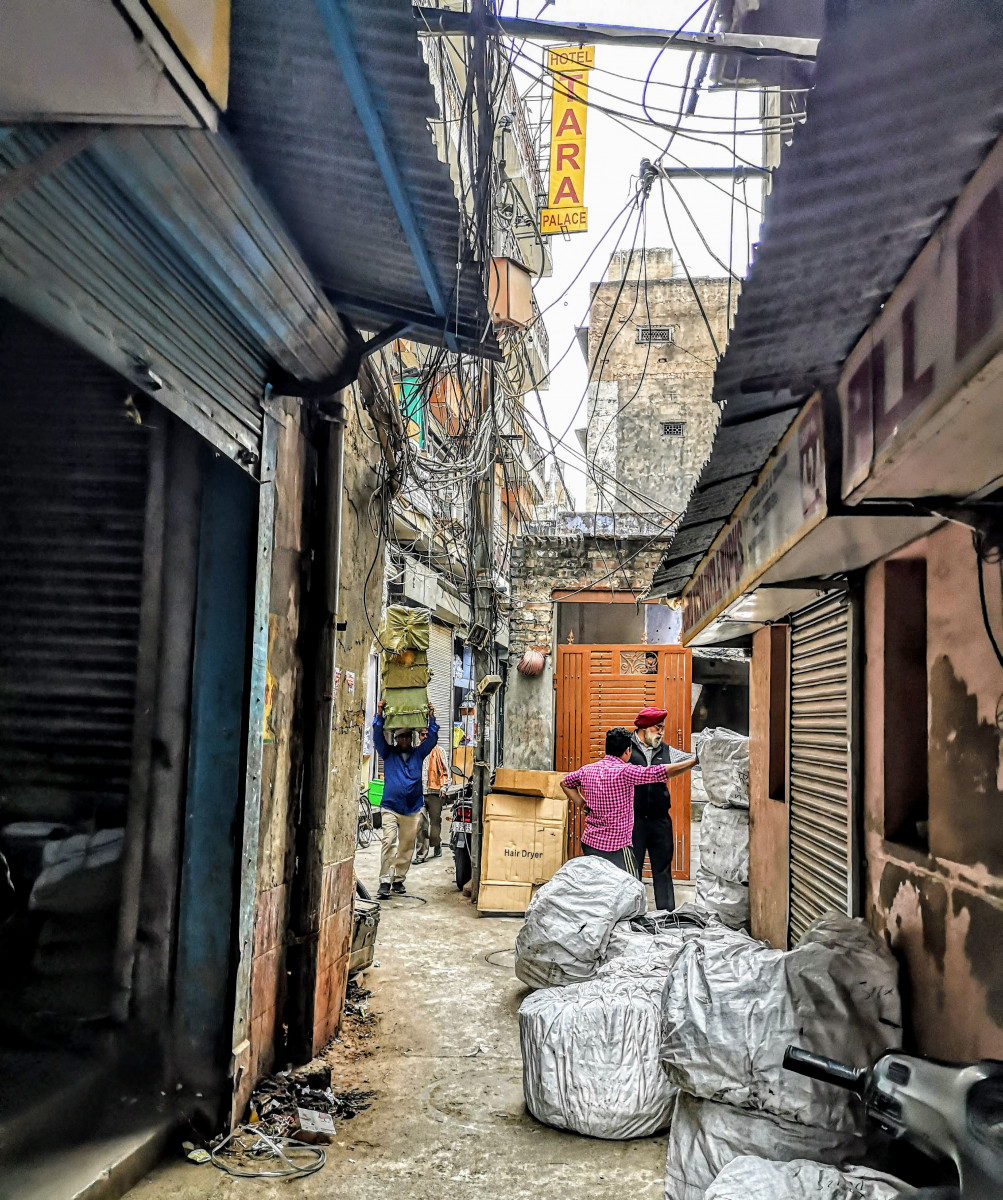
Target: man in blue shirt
(402,798)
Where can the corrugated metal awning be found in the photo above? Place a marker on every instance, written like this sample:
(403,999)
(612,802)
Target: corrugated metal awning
(153,250)
(908,99)
(296,114)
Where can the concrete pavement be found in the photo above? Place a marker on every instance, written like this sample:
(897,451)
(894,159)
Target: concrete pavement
(448,1120)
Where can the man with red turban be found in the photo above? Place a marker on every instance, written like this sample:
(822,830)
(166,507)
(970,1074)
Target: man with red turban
(652,815)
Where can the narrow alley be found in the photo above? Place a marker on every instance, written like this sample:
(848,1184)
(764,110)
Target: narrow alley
(448,1118)
(501,599)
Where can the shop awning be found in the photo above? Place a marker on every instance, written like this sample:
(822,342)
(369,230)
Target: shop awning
(331,106)
(908,100)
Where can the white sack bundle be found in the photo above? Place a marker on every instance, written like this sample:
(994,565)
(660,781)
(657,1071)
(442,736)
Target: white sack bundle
(651,934)
(590,1054)
(705,1137)
(724,843)
(729,902)
(569,921)
(759,1179)
(698,793)
(724,764)
(80,874)
(730,1010)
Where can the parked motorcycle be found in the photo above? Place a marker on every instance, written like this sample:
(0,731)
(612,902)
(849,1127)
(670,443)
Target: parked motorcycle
(460,827)
(948,1110)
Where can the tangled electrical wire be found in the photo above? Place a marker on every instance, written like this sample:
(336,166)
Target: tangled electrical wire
(446,430)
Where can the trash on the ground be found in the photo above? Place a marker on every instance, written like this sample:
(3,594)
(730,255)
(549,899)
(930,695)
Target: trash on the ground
(198,1155)
(704,1137)
(313,1121)
(749,1178)
(723,755)
(729,1011)
(717,897)
(590,1054)
(724,843)
(252,1153)
(570,919)
(279,1102)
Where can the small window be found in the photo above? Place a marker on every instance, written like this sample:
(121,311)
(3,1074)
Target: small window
(655,335)
(673,428)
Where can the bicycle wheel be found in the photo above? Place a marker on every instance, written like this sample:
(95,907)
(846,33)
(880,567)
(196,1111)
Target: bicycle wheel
(365,832)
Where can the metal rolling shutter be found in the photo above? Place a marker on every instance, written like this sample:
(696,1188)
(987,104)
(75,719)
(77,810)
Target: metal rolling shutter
(440,690)
(73,480)
(820,758)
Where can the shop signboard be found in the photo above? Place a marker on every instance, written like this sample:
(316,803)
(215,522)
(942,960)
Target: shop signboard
(940,327)
(786,501)
(566,212)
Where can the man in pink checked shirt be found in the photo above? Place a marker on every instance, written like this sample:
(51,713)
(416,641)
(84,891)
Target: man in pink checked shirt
(606,789)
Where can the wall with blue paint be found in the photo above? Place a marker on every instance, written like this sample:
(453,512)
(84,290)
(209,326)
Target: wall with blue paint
(212,825)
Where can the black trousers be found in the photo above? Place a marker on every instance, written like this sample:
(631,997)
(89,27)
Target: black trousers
(624,859)
(429,836)
(653,836)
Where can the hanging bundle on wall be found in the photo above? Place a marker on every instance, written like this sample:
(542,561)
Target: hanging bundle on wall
(531,663)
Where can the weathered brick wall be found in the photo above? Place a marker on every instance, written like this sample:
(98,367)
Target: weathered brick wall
(543,565)
(642,385)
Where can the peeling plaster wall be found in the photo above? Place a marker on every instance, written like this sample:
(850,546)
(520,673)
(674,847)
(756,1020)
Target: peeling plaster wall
(359,547)
(942,912)
(283,749)
(282,754)
(641,385)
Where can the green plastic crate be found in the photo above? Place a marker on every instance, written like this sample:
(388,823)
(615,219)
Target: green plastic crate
(376,792)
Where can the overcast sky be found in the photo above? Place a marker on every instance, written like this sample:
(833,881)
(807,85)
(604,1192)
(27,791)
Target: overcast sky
(613,156)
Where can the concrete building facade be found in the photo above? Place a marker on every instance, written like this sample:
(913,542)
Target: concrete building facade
(651,419)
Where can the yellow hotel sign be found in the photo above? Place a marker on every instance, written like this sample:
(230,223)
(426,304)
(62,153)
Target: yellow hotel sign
(565,211)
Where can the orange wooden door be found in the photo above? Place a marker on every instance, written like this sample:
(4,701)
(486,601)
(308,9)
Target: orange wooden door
(602,686)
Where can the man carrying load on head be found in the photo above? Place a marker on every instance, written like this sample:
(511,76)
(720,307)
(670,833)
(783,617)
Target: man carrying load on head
(606,789)
(402,798)
(652,816)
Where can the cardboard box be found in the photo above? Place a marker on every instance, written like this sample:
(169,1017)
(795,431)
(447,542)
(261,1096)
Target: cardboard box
(533,808)
(529,783)
(520,853)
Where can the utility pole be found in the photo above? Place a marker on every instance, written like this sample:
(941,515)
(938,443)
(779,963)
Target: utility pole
(483,507)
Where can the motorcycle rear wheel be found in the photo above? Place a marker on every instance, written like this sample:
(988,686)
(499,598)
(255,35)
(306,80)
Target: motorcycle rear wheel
(461,866)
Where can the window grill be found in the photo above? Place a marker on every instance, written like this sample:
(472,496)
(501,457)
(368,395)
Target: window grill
(673,428)
(655,335)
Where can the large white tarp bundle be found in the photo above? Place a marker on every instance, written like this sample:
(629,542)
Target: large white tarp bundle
(720,898)
(724,765)
(570,919)
(650,935)
(705,1137)
(590,1054)
(758,1179)
(698,793)
(724,843)
(731,1008)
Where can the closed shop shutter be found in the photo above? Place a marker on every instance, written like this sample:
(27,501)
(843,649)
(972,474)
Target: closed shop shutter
(73,482)
(821,868)
(440,690)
